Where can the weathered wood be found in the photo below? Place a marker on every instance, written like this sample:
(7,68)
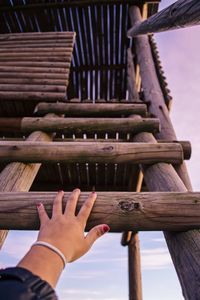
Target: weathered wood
(33,70)
(33,63)
(184,247)
(78,125)
(8,75)
(182,13)
(152,90)
(80,152)
(53,45)
(37,57)
(35,81)
(120,210)
(37,35)
(90,110)
(134,265)
(38,96)
(19,177)
(133,93)
(29,88)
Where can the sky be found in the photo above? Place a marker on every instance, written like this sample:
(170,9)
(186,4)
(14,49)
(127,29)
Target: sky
(102,273)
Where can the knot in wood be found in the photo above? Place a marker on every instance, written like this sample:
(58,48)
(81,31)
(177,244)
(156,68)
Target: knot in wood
(108,148)
(128,205)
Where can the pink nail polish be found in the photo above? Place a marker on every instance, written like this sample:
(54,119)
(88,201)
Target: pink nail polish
(39,205)
(106,228)
(94,193)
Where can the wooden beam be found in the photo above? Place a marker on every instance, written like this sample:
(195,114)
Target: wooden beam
(131,78)
(182,13)
(80,152)
(184,247)
(79,125)
(120,210)
(91,110)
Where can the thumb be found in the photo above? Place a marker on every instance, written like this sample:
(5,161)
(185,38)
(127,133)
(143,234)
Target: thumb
(95,233)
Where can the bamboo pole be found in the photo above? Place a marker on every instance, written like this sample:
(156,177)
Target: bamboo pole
(120,210)
(90,109)
(80,152)
(77,125)
(182,13)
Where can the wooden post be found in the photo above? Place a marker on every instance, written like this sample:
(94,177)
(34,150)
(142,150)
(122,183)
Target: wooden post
(184,247)
(19,176)
(131,82)
(182,13)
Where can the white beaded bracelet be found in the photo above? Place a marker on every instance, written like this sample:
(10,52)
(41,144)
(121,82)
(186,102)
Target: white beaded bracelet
(53,248)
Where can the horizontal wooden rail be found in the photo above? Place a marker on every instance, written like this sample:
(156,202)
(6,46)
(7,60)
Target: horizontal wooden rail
(78,125)
(90,110)
(120,210)
(186,145)
(94,152)
(182,13)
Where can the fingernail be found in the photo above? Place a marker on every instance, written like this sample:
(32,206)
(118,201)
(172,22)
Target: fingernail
(106,228)
(94,193)
(39,205)
(60,191)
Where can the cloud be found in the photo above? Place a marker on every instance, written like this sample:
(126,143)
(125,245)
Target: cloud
(155,259)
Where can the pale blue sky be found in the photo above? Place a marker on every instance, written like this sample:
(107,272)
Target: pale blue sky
(102,273)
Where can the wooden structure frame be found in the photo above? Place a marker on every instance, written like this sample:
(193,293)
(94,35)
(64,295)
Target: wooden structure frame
(125,78)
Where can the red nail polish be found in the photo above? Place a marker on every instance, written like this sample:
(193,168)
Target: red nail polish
(106,228)
(39,205)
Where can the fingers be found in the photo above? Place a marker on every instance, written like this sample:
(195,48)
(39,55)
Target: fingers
(86,208)
(57,204)
(42,213)
(72,202)
(95,233)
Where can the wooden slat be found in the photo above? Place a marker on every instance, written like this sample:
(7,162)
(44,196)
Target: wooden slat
(120,210)
(104,152)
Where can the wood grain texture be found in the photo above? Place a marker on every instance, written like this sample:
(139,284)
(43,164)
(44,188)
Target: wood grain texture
(120,210)
(79,125)
(80,152)
(182,13)
(90,110)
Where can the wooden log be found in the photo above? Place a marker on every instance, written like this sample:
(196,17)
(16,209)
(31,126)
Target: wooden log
(30,88)
(25,57)
(46,51)
(30,46)
(37,96)
(61,76)
(134,265)
(78,125)
(33,81)
(152,90)
(18,177)
(29,63)
(101,153)
(184,247)
(33,70)
(90,110)
(182,13)
(37,35)
(133,93)
(120,210)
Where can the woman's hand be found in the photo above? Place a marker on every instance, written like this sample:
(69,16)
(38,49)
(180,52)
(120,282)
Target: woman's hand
(65,231)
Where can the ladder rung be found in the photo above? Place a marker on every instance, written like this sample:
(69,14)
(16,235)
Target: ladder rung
(134,153)
(79,125)
(120,210)
(90,110)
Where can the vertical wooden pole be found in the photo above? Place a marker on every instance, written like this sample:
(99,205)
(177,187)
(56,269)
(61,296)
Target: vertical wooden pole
(184,247)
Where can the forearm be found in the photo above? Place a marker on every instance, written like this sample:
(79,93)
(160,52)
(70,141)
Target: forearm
(44,263)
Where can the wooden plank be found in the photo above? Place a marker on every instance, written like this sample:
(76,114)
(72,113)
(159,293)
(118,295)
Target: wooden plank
(37,96)
(89,110)
(102,153)
(131,82)
(182,13)
(33,81)
(120,210)
(29,88)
